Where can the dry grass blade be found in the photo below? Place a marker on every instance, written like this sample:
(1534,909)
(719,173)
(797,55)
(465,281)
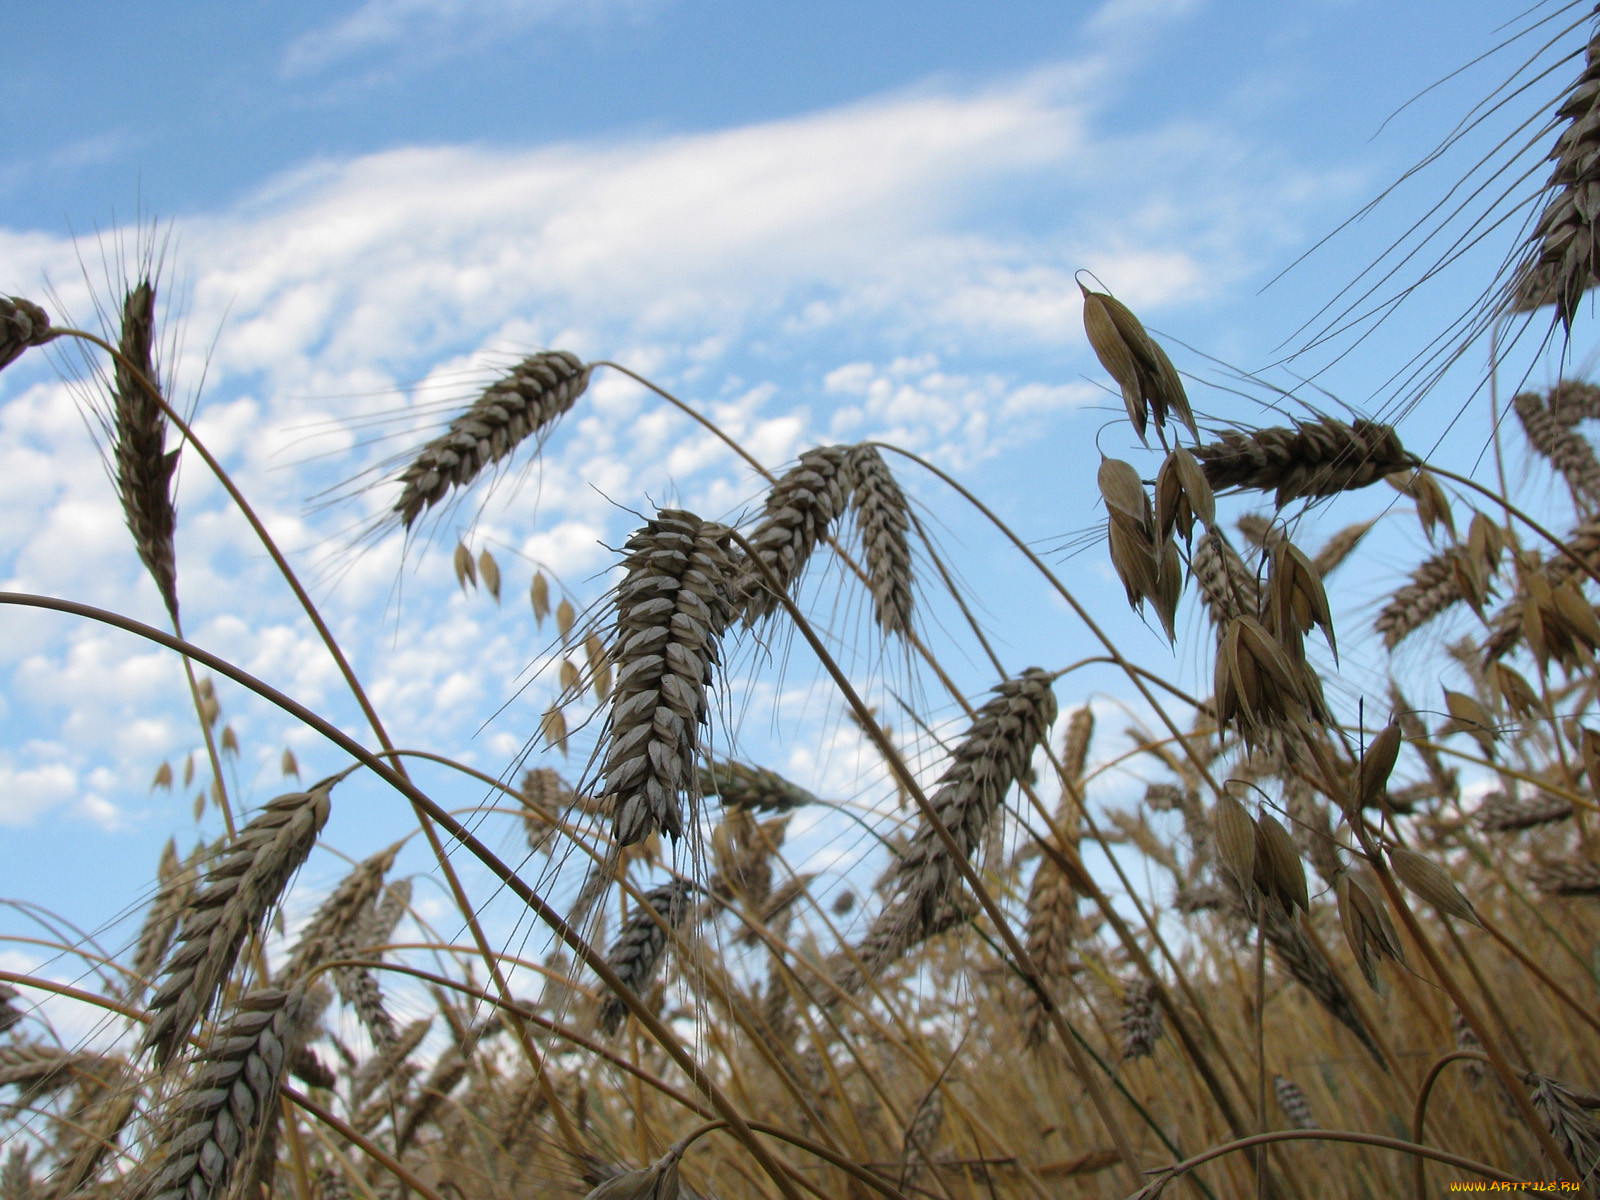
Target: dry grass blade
(1569,453)
(741,785)
(1314,458)
(144,465)
(231,1098)
(22,324)
(228,908)
(512,409)
(884,518)
(801,506)
(637,954)
(672,607)
(1559,263)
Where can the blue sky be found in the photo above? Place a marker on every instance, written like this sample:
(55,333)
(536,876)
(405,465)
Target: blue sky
(819,221)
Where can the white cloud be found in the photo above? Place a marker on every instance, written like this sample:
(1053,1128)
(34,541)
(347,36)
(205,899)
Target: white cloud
(437,28)
(856,273)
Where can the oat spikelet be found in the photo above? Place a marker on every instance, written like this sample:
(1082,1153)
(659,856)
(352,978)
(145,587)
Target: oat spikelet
(1296,1109)
(740,785)
(995,754)
(22,324)
(231,1100)
(1432,590)
(1315,458)
(1559,263)
(1141,1019)
(883,516)
(1506,626)
(641,945)
(227,909)
(1576,877)
(521,405)
(144,465)
(799,509)
(1568,452)
(672,607)
(1503,813)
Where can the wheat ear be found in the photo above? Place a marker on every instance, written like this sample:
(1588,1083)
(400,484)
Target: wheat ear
(520,405)
(23,324)
(884,518)
(801,506)
(1314,458)
(1568,452)
(228,908)
(741,785)
(641,945)
(672,607)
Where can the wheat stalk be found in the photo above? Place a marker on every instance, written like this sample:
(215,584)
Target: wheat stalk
(672,607)
(227,909)
(520,405)
(1314,458)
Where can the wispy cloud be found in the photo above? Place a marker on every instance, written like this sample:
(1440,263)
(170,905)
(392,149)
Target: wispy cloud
(433,29)
(876,270)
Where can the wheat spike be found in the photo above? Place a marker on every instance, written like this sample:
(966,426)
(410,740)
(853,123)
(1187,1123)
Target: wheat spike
(1228,588)
(1339,547)
(672,607)
(144,466)
(1432,590)
(23,324)
(1576,1132)
(741,785)
(1559,263)
(1315,458)
(227,910)
(1567,451)
(1577,877)
(1052,932)
(16,1177)
(1141,1019)
(995,754)
(38,1069)
(387,1062)
(801,506)
(1293,1103)
(637,954)
(520,405)
(545,797)
(177,883)
(884,517)
(231,1099)
(1503,813)
(1572,401)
